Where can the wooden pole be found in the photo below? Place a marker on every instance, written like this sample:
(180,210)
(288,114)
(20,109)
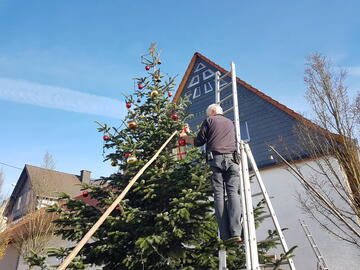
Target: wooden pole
(101,220)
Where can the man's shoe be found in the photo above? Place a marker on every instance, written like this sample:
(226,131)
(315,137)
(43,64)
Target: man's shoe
(233,240)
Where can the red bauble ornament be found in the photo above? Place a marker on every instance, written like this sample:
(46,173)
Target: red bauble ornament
(174,116)
(182,142)
(85,193)
(117,208)
(140,86)
(170,94)
(127,155)
(147,67)
(106,137)
(128,105)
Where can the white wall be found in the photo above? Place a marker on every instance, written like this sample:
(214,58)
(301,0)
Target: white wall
(55,242)
(282,185)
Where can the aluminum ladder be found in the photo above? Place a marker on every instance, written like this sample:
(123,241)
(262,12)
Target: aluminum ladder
(252,256)
(321,265)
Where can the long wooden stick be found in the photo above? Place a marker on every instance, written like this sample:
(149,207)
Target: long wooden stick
(320,196)
(83,241)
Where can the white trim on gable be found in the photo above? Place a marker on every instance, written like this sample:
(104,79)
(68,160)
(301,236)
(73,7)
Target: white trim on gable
(197,92)
(194,80)
(208,87)
(208,74)
(199,67)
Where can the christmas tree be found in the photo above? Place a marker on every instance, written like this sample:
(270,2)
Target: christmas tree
(167,219)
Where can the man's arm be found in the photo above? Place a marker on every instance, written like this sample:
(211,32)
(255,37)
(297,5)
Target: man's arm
(200,139)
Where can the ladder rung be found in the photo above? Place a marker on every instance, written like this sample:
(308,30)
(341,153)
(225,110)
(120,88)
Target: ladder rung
(263,217)
(223,100)
(226,86)
(223,76)
(256,194)
(269,240)
(272,264)
(269,264)
(228,110)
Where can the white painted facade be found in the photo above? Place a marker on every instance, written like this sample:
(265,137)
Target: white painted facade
(12,260)
(283,187)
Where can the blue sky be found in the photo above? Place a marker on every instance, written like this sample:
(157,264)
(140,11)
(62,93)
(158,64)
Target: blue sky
(65,64)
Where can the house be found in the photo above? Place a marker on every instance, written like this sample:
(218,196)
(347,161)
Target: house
(25,212)
(264,122)
(3,219)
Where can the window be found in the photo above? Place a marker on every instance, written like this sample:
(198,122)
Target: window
(45,203)
(194,80)
(199,67)
(18,203)
(197,92)
(208,87)
(244,131)
(208,73)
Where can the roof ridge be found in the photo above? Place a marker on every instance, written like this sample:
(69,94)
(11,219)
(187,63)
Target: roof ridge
(41,168)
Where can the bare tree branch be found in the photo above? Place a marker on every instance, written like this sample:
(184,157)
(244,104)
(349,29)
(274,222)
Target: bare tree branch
(48,161)
(332,146)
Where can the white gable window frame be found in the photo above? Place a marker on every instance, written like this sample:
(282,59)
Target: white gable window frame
(18,203)
(244,131)
(194,81)
(208,87)
(199,67)
(208,74)
(197,92)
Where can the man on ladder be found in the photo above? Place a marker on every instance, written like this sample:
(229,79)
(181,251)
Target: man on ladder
(218,133)
(223,139)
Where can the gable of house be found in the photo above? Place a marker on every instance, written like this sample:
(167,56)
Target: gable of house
(263,121)
(45,184)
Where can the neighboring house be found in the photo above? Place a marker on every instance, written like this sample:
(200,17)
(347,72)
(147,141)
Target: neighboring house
(36,188)
(3,219)
(264,122)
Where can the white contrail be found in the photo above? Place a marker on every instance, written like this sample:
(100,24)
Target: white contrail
(59,98)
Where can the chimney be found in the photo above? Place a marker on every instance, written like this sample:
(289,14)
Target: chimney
(85,176)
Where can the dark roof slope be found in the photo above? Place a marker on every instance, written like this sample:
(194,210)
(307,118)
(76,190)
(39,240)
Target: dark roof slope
(51,182)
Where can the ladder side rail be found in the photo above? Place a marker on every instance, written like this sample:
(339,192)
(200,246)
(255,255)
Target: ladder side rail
(217,87)
(254,257)
(311,239)
(222,259)
(244,213)
(235,103)
(242,168)
(269,204)
(321,260)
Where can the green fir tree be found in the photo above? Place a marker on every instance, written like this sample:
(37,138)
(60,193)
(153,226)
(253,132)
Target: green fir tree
(166,220)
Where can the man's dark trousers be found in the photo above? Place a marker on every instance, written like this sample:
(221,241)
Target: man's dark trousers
(226,177)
